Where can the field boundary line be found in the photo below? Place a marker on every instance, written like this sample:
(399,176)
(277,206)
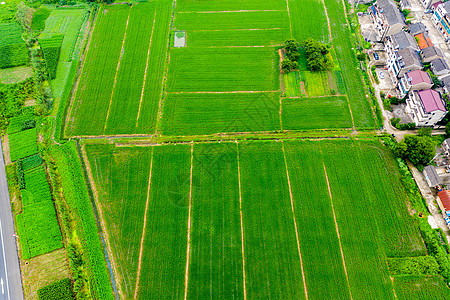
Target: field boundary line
(328,20)
(229,11)
(289,14)
(101,218)
(146,69)
(166,70)
(242,222)
(188,250)
(117,71)
(295,221)
(238,29)
(144,227)
(337,229)
(257,46)
(226,92)
(351,113)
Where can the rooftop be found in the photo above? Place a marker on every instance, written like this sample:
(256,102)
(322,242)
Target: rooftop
(417,28)
(431,51)
(431,176)
(424,40)
(404,40)
(419,76)
(445,199)
(391,12)
(410,57)
(439,65)
(431,100)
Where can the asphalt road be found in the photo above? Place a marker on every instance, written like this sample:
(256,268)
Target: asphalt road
(10,280)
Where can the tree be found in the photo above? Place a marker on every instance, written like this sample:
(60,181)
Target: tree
(424,131)
(447,129)
(316,55)
(287,65)
(291,45)
(420,150)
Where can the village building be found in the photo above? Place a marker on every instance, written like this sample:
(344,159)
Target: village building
(428,3)
(417,28)
(426,107)
(446,147)
(414,81)
(387,18)
(403,61)
(444,197)
(440,67)
(431,53)
(441,18)
(432,177)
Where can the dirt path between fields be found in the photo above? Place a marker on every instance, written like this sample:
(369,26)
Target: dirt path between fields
(6,150)
(337,230)
(295,221)
(328,21)
(117,71)
(289,14)
(102,219)
(188,251)
(144,227)
(146,68)
(242,223)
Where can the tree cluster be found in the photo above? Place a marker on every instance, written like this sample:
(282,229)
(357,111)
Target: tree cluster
(420,150)
(317,55)
(290,61)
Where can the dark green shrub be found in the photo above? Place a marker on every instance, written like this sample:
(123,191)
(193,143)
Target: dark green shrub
(59,290)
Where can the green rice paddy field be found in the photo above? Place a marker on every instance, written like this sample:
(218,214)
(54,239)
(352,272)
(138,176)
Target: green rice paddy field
(144,85)
(263,219)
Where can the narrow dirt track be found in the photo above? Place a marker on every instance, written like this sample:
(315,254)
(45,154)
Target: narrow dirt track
(188,251)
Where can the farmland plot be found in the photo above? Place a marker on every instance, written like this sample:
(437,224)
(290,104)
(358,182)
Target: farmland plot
(421,287)
(122,176)
(361,208)
(316,113)
(188,114)
(273,264)
(223,69)
(227,5)
(308,20)
(165,242)
(127,94)
(97,78)
(319,243)
(215,269)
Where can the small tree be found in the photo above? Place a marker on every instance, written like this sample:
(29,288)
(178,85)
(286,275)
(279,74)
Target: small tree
(288,65)
(291,45)
(420,150)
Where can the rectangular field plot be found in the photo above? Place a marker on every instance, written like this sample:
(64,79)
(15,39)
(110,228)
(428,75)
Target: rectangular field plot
(316,113)
(363,211)
(319,243)
(189,114)
(232,20)
(127,93)
(272,258)
(223,69)
(122,175)
(244,37)
(97,79)
(164,252)
(215,269)
(421,287)
(309,20)
(226,5)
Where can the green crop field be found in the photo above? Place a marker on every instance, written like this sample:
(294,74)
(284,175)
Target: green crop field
(309,20)
(324,224)
(37,224)
(12,46)
(421,287)
(303,113)
(23,144)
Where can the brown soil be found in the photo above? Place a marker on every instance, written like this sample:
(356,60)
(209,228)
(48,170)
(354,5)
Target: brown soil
(188,251)
(6,151)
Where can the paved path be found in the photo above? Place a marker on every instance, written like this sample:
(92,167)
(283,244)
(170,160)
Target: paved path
(10,280)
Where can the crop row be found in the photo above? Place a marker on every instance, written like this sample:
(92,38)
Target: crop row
(23,144)
(227,5)
(308,20)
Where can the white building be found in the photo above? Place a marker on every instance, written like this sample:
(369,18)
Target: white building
(426,107)
(387,18)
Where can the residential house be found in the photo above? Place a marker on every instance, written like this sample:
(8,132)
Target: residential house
(446,83)
(387,18)
(405,4)
(426,107)
(444,197)
(431,176)
(403,61)
(428,3)
(417,28)
(423,40)
(440,67)
(446,147)
(414,81)
(441,18)
(431,53)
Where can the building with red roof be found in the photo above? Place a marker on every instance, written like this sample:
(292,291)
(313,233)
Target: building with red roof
(423,40)
(426,107)
(444,196)
(414,81)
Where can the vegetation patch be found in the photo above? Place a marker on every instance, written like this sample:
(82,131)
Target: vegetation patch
(12,46)
(51,48)
(23,144)
(59,290)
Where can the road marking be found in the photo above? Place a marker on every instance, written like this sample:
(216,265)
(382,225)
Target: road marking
(4,259)
(2,283)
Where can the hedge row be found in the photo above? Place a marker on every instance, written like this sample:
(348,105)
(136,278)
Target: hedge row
(421,265)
